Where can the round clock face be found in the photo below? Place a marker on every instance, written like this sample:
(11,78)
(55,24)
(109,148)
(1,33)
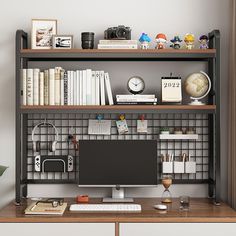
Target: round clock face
(136,85)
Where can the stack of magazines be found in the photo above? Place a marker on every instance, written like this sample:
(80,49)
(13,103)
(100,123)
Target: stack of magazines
(139,99)
(118,44)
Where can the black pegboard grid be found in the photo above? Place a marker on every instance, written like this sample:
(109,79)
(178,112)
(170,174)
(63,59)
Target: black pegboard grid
(78,125)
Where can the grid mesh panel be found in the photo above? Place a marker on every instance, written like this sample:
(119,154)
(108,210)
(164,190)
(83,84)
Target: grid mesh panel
(78,125)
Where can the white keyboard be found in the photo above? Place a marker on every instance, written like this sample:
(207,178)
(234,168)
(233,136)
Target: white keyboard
(106,207)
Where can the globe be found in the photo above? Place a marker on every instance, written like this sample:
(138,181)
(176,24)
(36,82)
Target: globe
(197,85)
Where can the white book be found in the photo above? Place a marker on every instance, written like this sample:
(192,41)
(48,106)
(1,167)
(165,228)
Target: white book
(108,89)
(52,87)
(137,96)
(102,88)
(97,98)
(30,88)
(116,41)
(41,88)
(58,85)
(117,46)
(68,88)
(75,87)
(84,87)
(72,88)
(62,87)
(89,87)
(36,87)
(137,100)
(80,87)
(24,86)
(93,85)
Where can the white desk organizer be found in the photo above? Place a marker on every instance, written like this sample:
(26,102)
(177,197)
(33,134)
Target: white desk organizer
(167,167)
(178,167)
(190,167)
(179,136)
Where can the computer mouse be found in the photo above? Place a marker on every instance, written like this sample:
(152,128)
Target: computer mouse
(160,207)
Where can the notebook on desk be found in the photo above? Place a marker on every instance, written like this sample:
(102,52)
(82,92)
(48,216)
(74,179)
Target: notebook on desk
(45,209)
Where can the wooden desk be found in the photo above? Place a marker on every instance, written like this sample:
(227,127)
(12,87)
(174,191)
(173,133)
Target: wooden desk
(201,211)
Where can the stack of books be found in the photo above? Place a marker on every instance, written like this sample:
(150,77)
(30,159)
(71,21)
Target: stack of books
(149,99)
(118,44)
(56,86)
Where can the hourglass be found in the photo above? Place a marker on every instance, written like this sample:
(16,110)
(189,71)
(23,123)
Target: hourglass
(166,182)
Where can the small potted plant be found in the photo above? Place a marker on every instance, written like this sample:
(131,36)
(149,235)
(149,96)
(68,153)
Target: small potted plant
(165,130)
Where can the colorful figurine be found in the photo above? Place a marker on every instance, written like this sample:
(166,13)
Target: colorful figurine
(161,40)
(204,40)
(189,40)
(144,40)
(176,41)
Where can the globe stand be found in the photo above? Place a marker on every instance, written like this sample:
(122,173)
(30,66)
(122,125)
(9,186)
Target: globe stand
(196,102)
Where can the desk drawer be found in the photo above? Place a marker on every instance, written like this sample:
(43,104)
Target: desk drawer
(177,229)
(57,229)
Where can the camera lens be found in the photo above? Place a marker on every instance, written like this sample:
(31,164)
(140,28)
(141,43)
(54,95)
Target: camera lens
(87,39)
(120,32)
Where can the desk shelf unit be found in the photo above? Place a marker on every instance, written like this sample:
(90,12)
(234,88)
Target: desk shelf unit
(205,119)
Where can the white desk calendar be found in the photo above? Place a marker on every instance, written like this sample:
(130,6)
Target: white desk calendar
(122,126)
(171,89)
(99,127)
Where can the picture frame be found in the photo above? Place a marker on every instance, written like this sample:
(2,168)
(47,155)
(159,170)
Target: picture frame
(62,41)
(42,32)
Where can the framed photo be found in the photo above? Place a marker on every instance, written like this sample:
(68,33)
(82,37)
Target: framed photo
(62,41)
(42,32)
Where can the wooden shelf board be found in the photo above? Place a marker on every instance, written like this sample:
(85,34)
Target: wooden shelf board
(135,51)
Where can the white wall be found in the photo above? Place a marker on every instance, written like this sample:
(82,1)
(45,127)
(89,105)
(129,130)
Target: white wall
(74,16)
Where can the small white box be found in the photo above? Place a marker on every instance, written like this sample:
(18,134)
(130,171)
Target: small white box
(190,167)
(167,167)
(178,167)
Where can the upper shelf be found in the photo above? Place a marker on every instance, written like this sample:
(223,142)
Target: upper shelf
(120,109)
(117,54)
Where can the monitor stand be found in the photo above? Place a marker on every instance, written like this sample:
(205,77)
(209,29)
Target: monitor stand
(118,195)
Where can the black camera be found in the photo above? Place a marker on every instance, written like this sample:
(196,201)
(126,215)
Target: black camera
(119,32)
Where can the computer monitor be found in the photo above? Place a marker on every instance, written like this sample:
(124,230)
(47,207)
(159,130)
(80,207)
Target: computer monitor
(117,164)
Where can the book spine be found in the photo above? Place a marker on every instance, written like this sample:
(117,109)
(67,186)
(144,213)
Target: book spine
(117,46)
(41,88)
(36,87)
(65,88)
(30,87)
(62,87)
(84,87)
(52,87)
(89,87)
(69,88)
(97,75)
(93,85)
(81,87)
(102,86)
(137,100)
(125,96)
(108,88)
(72,88)
(105,41)
(24,86)
(136,103)
(46,87)
(58,85)
(77,87)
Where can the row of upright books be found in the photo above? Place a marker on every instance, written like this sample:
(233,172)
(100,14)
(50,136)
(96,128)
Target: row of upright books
(57,86)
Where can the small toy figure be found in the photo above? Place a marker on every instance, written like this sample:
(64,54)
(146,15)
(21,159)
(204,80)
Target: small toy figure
(189,40)
(176,42)
(161,40)
(144,40)
(204,40)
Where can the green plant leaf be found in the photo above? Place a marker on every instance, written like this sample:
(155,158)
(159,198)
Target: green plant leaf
(2,169)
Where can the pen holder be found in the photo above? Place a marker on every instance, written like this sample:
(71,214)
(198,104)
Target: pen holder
(190,167)
(178,167)
(167,167)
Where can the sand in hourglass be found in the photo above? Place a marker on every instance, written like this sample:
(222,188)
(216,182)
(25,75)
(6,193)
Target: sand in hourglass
(166,198)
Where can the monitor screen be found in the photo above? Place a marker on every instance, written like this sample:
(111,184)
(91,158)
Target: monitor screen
(117,162)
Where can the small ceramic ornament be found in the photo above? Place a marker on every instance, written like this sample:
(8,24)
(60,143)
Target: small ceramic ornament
(189,40)
(176,42)
(204,40)
(161,40)
(144,40)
